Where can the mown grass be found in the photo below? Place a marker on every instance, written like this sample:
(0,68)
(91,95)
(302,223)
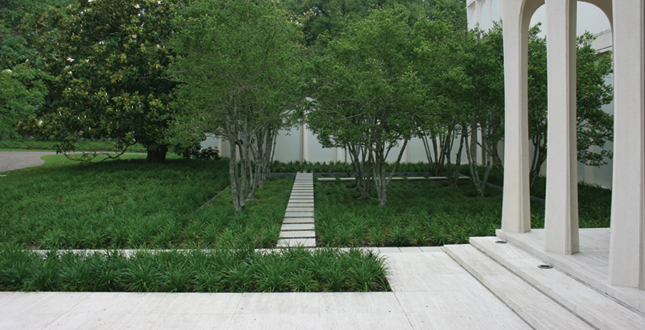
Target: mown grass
(29,144)
(422,213)
(129,203)
(245,270)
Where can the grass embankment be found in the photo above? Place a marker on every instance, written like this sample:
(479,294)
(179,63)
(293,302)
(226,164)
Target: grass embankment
(129,203)
(194,271)
(27,144)
(427,213)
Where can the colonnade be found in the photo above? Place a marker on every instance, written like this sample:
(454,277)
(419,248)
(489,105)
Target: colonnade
(627,242)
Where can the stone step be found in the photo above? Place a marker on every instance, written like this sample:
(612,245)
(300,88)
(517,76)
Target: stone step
(537,309)
(297,226)
(293,242)
(298,234)
(299,220)
(589,304)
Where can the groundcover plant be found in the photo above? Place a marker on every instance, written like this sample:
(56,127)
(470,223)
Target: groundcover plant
(428,213)
(225,270)
(131,204)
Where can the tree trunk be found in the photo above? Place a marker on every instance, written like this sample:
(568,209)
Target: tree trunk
(157,153)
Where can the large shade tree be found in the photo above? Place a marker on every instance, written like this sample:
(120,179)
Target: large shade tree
(108,60)
(238,69)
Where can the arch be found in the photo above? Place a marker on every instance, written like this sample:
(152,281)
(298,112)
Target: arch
(606,7)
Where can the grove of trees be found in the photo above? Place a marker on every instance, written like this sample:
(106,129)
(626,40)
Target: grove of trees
(366,76)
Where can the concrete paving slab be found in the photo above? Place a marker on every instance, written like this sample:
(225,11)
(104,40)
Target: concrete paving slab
(197,303)
(298,220)
(359,302)
(416,178)
(300,209)
(347,179)
(298,234)
(293,242)
(298,214)
(365,321)
(297,226)
(327,179)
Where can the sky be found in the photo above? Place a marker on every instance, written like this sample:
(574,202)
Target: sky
(590,18)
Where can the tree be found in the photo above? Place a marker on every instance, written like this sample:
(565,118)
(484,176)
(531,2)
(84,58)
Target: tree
(22,86)
(483,126)
(108,59)
(440,60)
(364,89)
(238,65)
(594,126)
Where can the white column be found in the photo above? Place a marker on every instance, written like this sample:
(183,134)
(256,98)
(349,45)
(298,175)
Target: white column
(516,15)
(478,12)
(561,218)
(627,246)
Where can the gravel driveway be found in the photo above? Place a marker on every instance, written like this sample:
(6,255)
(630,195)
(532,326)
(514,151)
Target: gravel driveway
(14,160)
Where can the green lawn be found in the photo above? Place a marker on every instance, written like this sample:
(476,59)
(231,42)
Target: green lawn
(129,203)
(422,213)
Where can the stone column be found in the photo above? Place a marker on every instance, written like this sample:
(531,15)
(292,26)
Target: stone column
(516,15)
(627,246)
(561,218)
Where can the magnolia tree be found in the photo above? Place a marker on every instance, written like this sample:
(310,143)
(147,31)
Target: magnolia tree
(238,67)
(108,62)
(364,90)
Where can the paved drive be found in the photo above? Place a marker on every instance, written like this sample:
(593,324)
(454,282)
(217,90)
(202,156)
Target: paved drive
(15,160)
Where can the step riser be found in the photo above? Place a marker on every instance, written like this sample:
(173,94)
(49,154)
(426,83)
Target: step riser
(530,304)
(587,303)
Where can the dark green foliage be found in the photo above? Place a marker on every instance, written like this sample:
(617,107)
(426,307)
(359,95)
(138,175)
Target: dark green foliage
(108,61)
(243,270)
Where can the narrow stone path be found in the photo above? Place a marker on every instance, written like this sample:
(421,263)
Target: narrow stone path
(298,227)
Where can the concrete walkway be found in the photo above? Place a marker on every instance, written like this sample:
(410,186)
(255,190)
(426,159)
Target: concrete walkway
(15,160)
(430,291)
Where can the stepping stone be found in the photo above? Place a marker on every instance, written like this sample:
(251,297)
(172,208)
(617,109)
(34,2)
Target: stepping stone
(298,214)
(438,178)
(397,178)
(298,234)
(300,209)
(309,199)
(293,242)
(297,226)
(298,220)
(347,179)
(414,178)
(327,179)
